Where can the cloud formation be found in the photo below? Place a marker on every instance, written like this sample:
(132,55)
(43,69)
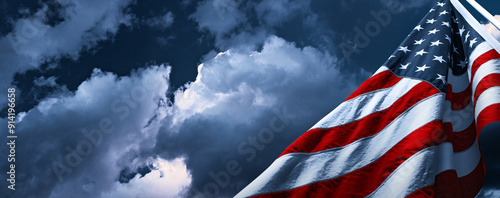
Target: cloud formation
(260,93)
(220,120)
(168,179)
(80,141)
(492,29)
(210,138)
(36,40)
(84,139)
(247,23)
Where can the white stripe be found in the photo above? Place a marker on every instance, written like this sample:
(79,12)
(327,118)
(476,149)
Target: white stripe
(298,169)
(366,104)
(459,83)
(380,70)
(490,67)
(463,162)
(401,182)
(460,119)
(421,169)
(478,51)
(489,97)
(476,25)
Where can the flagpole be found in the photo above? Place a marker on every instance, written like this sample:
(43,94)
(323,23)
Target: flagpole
(485,13)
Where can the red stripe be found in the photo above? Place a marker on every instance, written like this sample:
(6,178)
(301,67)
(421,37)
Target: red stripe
(380,81)
(320,139)
(488,115)
(472,183)
(492,54)
(446,184)
(487,82)
(463,140)
(365,180)
(458,100)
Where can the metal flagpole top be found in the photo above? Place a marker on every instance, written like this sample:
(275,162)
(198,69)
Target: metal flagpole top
(485,13)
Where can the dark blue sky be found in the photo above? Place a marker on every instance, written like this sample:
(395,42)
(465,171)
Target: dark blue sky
(185,84)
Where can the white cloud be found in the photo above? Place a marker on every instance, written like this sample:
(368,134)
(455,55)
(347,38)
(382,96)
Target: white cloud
(33,42)
(233,98)
(125,110)
(167,179)
(237,79)
(235,94)
(219,17)
(162,22)
(237,23)
(492,29)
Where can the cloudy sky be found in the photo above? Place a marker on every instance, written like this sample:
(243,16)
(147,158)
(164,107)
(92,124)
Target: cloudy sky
(125,98)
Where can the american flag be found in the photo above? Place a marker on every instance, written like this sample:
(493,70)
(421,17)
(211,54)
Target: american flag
(408,131)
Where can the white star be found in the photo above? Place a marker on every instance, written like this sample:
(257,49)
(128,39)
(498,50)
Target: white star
(447,24)
(436,43)
(442,78)
(405,66)
(432,10)
(404,49)
(432,21)
(443,13)
(421,53)
(447,38)
(418,28)
(467,36)
(439,58)
(441,4)
(423,68)
(455,20)
(462,30)
(434,31)
(472,42)
(392,56)
(463,64)
(419,42)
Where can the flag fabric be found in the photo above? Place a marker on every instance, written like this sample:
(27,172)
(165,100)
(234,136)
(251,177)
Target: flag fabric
(411,130)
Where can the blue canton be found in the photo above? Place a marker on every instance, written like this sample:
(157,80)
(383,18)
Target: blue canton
(440,44)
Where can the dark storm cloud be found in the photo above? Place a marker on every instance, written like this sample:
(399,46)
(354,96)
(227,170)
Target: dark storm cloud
(34,41)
